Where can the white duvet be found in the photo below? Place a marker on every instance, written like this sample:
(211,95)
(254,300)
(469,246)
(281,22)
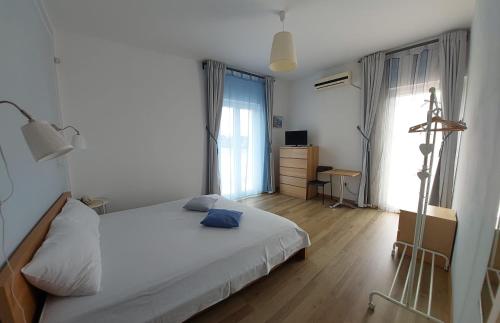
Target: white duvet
(160,264)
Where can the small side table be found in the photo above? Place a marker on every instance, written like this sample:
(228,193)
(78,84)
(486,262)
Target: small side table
(342,173)
(99,205)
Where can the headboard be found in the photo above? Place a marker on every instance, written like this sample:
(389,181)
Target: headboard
(30,298)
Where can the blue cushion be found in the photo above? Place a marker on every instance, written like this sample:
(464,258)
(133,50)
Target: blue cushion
(221,218)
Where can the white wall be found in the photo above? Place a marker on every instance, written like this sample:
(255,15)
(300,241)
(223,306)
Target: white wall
(27,77)
(477,191)
(330,116)
(143,115)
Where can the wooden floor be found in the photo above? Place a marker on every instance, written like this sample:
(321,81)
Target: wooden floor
(350,255)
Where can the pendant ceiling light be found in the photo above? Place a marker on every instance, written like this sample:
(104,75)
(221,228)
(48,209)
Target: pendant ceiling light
(283,57)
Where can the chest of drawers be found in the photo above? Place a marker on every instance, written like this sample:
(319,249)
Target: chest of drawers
(297,167)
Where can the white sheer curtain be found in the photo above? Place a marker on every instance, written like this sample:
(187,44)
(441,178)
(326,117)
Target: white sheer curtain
(408,76)
(242,136)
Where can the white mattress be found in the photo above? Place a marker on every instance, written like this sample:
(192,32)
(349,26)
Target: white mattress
(160,264)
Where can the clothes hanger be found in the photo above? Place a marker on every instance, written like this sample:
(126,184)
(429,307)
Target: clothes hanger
(446,125)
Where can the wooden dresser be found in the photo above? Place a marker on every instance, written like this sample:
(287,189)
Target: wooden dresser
(297,167)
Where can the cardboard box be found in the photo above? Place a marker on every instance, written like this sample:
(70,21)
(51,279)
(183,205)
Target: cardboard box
(439,233)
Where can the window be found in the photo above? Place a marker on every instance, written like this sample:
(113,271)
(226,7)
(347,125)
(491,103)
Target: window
(396,156)
(242,136)
(404,159)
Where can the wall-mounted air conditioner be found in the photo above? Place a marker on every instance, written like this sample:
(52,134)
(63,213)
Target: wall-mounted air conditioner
(343,78)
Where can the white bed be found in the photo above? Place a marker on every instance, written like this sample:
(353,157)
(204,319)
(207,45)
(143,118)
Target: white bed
(160,264)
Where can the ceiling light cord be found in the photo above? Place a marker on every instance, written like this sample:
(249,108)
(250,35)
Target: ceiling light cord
(282,18)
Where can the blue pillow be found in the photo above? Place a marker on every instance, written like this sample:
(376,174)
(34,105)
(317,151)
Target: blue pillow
(222,218)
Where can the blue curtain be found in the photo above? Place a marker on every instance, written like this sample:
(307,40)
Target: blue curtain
(242,136)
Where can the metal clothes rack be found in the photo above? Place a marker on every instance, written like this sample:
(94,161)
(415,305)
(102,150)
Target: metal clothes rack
(409,299)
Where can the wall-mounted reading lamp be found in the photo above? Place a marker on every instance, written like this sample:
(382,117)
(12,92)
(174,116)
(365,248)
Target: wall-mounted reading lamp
(45,140)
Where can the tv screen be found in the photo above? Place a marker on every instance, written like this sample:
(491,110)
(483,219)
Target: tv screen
(296,138)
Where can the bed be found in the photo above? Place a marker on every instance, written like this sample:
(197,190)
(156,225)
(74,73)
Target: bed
(160,264)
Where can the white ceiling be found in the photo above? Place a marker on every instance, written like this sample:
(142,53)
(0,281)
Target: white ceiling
(239,32)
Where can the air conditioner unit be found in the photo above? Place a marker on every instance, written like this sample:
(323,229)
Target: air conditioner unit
(343,78)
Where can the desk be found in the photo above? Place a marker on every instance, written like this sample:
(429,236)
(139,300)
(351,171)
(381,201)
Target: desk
(342,173)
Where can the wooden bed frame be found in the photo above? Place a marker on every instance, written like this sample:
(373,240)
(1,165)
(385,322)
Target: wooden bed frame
(30,298)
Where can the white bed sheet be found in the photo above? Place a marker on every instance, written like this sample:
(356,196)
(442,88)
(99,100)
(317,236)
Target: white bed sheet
(160,264)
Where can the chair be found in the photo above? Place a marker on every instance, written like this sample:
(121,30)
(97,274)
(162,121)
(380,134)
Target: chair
(317,183)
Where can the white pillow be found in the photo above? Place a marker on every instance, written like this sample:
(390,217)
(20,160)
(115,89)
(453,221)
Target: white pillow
(68,263)
(201,203)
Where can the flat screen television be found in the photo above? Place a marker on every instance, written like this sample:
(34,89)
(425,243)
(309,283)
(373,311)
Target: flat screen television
(296,138)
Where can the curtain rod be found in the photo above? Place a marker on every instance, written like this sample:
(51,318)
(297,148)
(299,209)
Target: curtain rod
(234,69)
(394,51)
(432,41)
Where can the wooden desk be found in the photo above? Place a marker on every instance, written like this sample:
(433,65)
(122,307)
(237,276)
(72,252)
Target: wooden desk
(342,173)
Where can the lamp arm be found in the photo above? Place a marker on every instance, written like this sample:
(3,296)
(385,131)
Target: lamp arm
(23,112)
(62,129)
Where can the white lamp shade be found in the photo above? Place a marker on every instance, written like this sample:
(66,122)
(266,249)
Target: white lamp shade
(79,142)
(44,141)
(283,57)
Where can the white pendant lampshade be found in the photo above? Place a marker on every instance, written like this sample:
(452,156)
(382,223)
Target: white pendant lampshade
(283,57)
(79,142)
(44,141)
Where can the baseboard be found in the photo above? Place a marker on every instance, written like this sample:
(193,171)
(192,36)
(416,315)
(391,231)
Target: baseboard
(327,198)
(450,284)
(336,199)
